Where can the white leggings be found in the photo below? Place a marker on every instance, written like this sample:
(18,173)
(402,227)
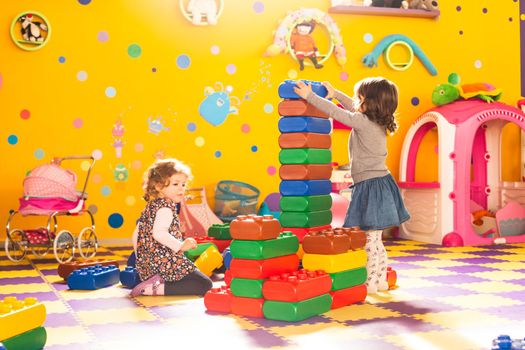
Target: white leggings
(376,262)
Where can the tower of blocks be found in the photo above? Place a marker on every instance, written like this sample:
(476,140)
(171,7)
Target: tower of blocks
(305,159)
(21,323)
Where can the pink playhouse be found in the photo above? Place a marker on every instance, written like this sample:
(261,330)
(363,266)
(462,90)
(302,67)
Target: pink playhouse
(469,178)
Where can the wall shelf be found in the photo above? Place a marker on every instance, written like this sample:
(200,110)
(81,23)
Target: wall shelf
(383,11)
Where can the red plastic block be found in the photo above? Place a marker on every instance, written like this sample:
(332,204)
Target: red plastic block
(255,227)
(65,269)
(288,108)
(221,244)
(259,269)
(305,172)
(330,241)
(250,307)
(297,286)
(218,299)
(391,277)
(305,140)
(300,232)
(348,296)
(228,277)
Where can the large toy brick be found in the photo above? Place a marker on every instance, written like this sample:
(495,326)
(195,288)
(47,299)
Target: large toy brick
(326,242)
(300,232)
(34,339)
(254,227)
(249,307)
(289,108)
(306,203)
(129,277)
(228,277)
(209,260)
(348,296)
(348,278)
(226,258)
(335,263)
(297,311)
(305,140)
(305,187)
(193,254)
(357,238)
(94,277)
(247,288)
(65,269)
(220,231)
(391,277)
(259,269)
(286,244)
(218,299)
(20,316)
(297,285)
(304,124)
(221,244)
(305,156)
(305,219)
(305,172)
(2,347)
(286,89)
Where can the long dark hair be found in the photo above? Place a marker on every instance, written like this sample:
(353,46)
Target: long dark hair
(378,101)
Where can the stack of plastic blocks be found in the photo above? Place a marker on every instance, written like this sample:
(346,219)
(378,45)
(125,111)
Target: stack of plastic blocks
(65,269)
(21,324)
(305,159)
(129,277)
(297,296)
(340,253)
(93,277)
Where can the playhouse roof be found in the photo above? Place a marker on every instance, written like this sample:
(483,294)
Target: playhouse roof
(459,111)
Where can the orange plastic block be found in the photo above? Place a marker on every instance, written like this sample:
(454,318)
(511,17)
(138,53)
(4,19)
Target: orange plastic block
(330,241)
(297,285)
(300,232)
(65,269)
(292,108)
(255,227)
(250,307)
(305,172)
(259,269)
(209,260)
(20,316)
(391,277)
(305,140)
(357,238)
(218,299)
(348,296)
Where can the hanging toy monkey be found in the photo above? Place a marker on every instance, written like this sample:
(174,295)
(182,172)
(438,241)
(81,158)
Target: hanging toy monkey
(303,45)
(31,31)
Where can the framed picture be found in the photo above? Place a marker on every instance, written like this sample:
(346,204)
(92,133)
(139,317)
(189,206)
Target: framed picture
(30,30)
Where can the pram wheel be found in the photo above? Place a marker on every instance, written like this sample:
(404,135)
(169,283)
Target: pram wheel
(87,243)
(15,245)
(64,246)
(40,252)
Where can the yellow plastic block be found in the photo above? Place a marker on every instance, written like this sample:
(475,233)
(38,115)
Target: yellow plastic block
(209,260)
(335,263)
(20,316)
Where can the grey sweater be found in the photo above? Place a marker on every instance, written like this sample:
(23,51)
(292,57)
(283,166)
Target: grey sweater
(367,143)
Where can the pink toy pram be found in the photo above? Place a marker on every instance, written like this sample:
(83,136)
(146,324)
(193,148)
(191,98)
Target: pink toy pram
(49,190)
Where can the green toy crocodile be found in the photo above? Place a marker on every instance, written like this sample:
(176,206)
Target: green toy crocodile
(452,91)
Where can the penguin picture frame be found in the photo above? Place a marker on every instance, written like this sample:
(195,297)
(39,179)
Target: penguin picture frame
(30,30)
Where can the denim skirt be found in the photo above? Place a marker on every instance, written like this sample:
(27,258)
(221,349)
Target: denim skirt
(376,204)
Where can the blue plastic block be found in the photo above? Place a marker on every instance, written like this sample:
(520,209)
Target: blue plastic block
(129,277)
(504,342)
(305,187)
(93,277)
(286,89)
(2,347)
(132,260)
(226,258)
(305,124)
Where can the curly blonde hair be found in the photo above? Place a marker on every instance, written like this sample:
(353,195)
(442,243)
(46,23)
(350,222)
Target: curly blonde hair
(159,173)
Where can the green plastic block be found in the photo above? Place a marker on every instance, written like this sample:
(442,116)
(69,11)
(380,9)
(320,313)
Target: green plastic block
(193,254)
(220,231)
(286,244)
(306,203)
(298,311)
(248,288)
(305,156)
(34,339)
(348,278)
(307,219)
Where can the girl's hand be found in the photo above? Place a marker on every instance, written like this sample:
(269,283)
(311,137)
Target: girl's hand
(330,88)
(302,89)
(189,243)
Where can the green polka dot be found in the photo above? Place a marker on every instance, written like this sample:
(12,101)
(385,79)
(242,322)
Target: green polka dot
(134,50)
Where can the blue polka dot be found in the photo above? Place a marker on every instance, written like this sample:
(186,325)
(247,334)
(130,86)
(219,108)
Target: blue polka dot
(268,108)
(12,139)
(84,2)
(414,101)
(105,190)
(61,59)
(183,61)
(218,154)
(192,127)
(115,220)
(39,153)
(254,148)
(111,92)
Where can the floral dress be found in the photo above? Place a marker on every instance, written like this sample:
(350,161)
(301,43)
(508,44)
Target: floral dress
(154,258)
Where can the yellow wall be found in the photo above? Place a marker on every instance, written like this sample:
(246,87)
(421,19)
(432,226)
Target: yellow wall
(55,97)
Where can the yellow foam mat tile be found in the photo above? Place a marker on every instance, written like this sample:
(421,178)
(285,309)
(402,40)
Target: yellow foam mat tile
(478,301)
(507,265)
(409,282)
(120,315)
(149,301)
(436,340)
(19,273)
(48,266)
(428,272)
(67,335)
(514,257)
(404,247)
(24,288)
(360,312)
(55,307)
(463,249)
(452,256)
(500,275)
(312,335)
(438,263)
(397,253)
(54,279)
(461,319)
(491,287)
(109,292)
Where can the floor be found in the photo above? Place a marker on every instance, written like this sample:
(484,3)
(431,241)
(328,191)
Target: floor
(448,298)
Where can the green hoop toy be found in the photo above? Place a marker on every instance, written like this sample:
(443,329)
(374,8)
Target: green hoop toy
(189,16)
(27,44)
(399,66)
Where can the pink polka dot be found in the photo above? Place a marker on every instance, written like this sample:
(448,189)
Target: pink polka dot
(78,123)
(25,114)
(245,128)
(343,76)
(271,170)
(139,147)
(97,154)
(97,178)
(136,164)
